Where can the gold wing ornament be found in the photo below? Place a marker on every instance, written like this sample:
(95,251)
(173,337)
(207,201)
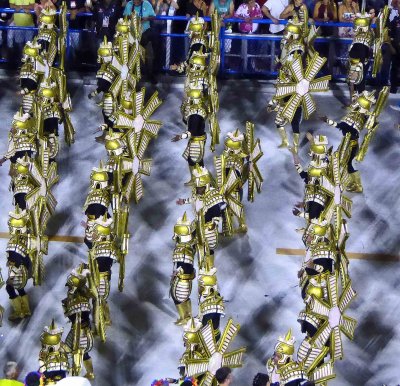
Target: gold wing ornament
(59,77)
(253,149)
(41,203)
(1,308)
(309,40)
(62,34)
(98,308)
(372,123)
(214,44)
(77,352)
(137,52)
(338,165)
(213,107)
(381,37)
(302,83)
(121,218)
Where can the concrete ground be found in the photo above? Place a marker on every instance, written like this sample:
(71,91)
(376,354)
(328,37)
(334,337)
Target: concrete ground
(259,285)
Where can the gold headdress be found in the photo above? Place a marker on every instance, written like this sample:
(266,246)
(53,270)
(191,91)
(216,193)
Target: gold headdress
(105,49)
(284,348)
(32,48)
(47,89)
(123,26)
(191,331)
(362,20)
(234,141)
(47,16)
(22,121)
(198,60)
(319,145)
(114,143)
(99,175)
(201,176)
(51,335)
(366,100)
(102,226)
(196,24)
(183,227)
(18,221)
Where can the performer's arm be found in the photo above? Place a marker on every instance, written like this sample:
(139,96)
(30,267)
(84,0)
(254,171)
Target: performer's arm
(329,121)
(178,137)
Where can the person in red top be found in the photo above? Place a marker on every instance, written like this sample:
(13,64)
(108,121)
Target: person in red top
(326,11)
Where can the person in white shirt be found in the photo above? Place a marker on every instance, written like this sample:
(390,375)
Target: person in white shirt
(74,381)
(393,8)
(272,10)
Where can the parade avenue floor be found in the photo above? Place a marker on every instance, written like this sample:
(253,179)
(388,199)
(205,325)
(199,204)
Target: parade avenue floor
(257,272)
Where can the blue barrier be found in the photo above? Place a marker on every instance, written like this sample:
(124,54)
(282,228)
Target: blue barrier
(242,54)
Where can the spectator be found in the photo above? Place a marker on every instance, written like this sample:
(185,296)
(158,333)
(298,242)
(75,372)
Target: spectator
(164,8)
(74,381)
(34,379)
(194,7)
(11,374)
(225,8)
(5,19)
(74,7)
(298,9)
(81,42)
(326,11)
(346,13)
(294,9)
(44,4)
(393,9)
(21,18)
(224,374)
(272,9)
(310,4)
(144,10)
(146,13)
(177,51)
(372,14)
(394,32)
(261,380)
(377,5)
(248,11)
(105,15)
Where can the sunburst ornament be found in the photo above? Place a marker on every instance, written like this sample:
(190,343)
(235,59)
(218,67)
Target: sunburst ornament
(302,84)
(141,130)
(331,311)
(215,354)
(124,63)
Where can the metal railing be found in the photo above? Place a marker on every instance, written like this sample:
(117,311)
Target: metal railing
(241,54)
